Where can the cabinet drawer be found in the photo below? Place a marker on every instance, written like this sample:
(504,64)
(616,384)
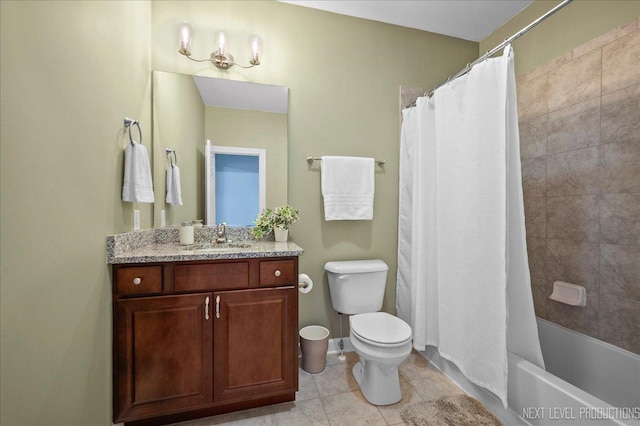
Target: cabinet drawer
(277,272)
(212,276)
(139,280)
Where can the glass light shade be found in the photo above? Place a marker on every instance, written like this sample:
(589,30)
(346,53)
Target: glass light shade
(184,35)
(223,43)
(255,46)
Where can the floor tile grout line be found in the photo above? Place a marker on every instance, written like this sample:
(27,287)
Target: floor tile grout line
(270,413)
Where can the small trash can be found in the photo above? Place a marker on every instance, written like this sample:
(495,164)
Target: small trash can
(314,342)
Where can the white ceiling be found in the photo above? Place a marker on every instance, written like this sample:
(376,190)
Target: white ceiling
(242,94)
(467,19)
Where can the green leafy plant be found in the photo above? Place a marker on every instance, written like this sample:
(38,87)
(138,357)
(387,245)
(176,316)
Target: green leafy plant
(280,217)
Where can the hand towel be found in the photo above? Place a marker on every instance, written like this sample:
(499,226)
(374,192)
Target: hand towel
(174,191)
(138,186)
(348,187)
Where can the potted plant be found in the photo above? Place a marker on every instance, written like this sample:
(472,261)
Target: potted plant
(277,221)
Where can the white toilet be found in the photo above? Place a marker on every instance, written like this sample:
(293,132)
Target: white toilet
(382,341)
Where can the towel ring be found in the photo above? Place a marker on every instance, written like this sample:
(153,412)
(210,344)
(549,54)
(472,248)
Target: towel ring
(128,122)
(170,151)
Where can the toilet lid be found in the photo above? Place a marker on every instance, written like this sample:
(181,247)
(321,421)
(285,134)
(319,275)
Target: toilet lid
(380,327)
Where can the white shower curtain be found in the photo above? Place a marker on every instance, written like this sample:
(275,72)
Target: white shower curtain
(463,278)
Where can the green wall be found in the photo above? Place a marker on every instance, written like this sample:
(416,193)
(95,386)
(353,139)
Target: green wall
(70,73)
(575,24)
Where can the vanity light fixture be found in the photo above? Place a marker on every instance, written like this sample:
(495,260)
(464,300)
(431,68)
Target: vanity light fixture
(220,57)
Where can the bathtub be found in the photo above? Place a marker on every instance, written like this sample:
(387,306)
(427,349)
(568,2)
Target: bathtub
(587,382)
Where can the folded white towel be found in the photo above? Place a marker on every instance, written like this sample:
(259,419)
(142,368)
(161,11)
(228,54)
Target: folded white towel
(138,186)
(348,187)
(174,191)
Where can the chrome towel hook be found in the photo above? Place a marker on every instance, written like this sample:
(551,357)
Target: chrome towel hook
(128,123)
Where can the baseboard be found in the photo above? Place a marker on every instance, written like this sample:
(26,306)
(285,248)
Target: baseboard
(334,346)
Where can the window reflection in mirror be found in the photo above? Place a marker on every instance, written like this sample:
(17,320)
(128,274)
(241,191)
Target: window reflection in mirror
(188,110)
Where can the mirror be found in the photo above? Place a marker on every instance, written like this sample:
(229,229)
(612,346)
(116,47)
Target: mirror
(188,110)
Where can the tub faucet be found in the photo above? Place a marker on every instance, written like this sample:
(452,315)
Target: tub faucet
(221,233)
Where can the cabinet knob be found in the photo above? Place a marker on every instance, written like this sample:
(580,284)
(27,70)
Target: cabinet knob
(277,273)
(137,281)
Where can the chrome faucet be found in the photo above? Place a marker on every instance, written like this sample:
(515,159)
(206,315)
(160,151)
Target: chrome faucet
(221,233)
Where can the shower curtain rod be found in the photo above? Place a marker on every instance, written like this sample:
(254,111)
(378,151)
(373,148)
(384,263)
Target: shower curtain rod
(500,46)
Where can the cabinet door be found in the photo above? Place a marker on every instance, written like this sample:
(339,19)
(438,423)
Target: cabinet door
(163,355)
(255,350)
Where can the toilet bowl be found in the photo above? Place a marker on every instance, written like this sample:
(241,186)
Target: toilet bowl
(382,343)
(381,340)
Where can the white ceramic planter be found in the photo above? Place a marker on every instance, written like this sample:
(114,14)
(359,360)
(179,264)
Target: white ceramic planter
(282,235)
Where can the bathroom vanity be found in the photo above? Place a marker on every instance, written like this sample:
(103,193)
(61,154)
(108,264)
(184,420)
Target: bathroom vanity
(198,333)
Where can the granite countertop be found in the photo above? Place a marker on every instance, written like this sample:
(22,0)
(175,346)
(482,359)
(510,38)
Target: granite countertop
(160,245)
(173,252)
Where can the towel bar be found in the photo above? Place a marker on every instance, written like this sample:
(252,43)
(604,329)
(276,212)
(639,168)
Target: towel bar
(312,159)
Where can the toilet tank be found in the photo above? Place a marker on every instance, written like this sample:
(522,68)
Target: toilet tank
(357,286)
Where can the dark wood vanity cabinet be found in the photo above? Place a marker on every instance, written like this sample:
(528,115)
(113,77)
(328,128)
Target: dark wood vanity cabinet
(164,355)
(254,333)
(201,338)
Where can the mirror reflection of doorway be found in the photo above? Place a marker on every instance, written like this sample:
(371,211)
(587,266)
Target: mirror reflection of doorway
(235,184)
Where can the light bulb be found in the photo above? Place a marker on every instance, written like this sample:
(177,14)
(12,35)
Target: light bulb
(223,43)
(255,45)
(184,34)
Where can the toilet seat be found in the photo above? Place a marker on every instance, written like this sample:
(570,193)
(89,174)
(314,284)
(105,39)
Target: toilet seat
(380,329)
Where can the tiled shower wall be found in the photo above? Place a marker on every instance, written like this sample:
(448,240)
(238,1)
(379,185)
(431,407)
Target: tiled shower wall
(580,146)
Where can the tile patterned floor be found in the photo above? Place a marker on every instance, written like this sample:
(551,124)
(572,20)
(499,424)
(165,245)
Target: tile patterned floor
(333,398)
